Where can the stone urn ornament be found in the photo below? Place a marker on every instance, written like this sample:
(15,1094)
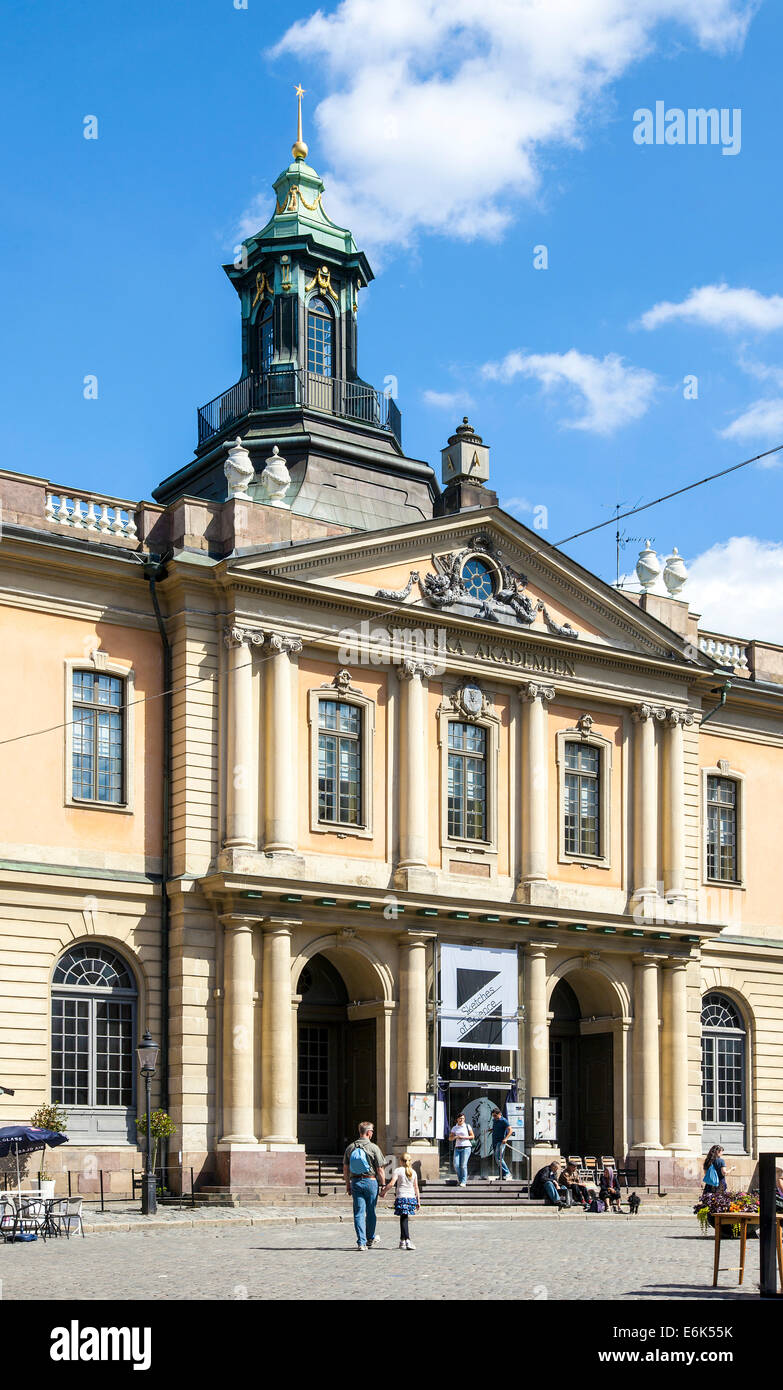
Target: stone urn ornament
(675,573)
(648,566)
(238,469)
(276,478)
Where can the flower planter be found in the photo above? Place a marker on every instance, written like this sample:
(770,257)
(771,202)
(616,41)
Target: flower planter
(46,1187)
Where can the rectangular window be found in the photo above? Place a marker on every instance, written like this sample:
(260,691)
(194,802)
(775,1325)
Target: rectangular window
(70,1051)
(339,762)
(92,1051)
(467,783)
(722,829)
(313,1070)
(582,799)
(98,713)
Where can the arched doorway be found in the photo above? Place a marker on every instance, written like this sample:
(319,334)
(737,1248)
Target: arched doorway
(336,1072)
(581,1075)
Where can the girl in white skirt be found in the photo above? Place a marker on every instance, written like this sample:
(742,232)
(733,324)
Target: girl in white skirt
(406,1198)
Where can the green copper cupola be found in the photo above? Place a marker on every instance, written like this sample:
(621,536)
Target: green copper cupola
(298,281)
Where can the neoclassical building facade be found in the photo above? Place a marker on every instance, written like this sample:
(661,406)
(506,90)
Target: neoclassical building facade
(279,740)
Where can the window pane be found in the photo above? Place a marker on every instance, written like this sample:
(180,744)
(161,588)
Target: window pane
(327,782)
(456,795)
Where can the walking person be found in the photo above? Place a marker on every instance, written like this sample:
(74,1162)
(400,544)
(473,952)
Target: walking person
(363,1165)
(461,1136)
(406,1198)
(715,1171)
(501,1133)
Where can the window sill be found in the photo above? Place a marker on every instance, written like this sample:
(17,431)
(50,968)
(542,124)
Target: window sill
(123,808)
(723,883)
(346,832)
(593,861)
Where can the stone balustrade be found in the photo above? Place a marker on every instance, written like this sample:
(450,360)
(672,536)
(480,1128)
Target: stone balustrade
(728,651)
(106,518)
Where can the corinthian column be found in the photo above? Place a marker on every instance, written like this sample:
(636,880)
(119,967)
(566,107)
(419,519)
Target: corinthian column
(645,803)
(413,763)
(241,793)
(535,782)
(646,1127)
(278,1101)
(281,703)
(238,990)
(674,803)
(675,1054)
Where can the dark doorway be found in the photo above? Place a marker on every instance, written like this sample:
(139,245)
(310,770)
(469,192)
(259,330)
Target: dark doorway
(581,1076)
(336,1062)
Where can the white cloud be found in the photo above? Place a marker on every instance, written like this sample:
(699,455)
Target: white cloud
(610,393)
(737,586)
(720,306)
(447,400)
(762,423)
(516,505)
(439,109)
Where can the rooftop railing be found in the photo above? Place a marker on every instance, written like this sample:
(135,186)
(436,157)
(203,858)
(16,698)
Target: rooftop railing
(293,386)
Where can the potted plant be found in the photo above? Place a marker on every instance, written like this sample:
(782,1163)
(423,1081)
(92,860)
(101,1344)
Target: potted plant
(707,1207)
(54,1118)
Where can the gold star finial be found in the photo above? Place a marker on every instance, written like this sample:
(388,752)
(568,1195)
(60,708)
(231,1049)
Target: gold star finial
(299,149)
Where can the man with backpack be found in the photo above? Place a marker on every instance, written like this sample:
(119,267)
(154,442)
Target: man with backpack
(363,1165)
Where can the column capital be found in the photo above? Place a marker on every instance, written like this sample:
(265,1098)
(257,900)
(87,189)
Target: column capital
(414,937)
(283,642)
(235,636)
(237,921)
(677,717)
(280,925)
(648,958)
(531,690)
(539,948)
(409,670)
(675,962)
(641,713)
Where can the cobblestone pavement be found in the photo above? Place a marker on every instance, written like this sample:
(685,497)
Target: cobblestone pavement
(533,1259)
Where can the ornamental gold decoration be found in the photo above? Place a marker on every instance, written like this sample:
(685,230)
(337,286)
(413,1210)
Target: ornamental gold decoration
(263,285)
(323,279)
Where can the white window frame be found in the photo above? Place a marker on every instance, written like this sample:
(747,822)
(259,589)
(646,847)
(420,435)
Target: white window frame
(724,769)
(347,694)
(451,713)
(603,860)
(105,666)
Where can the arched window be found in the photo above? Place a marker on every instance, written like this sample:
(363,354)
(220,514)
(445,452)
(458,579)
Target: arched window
(94,1000)
(319,338)
(723,1064)
(266,341)
(477,579)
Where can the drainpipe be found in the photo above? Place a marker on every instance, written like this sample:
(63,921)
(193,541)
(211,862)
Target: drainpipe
(155,570)
(723,691)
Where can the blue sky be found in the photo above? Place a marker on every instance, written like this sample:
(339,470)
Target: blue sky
(454,138)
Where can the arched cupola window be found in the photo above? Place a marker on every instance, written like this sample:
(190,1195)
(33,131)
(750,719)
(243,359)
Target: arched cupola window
(266,340)
(94,998)
(723,1073)
(320,337)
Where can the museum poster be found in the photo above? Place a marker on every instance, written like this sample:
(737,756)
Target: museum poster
(479,997)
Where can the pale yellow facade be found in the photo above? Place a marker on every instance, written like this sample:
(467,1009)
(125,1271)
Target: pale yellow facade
(262,891)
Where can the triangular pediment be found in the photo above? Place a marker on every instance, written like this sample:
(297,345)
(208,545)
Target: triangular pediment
(481,568)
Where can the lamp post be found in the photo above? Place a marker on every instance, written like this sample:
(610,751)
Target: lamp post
(147,1052)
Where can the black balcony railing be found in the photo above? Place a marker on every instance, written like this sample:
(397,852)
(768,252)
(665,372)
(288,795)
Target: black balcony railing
(292,386)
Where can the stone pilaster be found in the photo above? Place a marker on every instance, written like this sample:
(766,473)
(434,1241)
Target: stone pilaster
(412,1065)
(281,745)
(675,1055)
(673,803)
(241,792)
(238,1033)
(534,886)
(645,803)
(645,1100)
(536,1043)
(412,871)
(278,1097)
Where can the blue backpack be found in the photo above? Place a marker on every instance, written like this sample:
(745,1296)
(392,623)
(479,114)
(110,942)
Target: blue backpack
(359,1162)
(711,1178)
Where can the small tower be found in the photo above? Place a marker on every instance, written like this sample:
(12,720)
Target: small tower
(465,471)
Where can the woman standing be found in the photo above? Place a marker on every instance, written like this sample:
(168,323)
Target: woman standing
(406,1198)
(715,1171)
(461,1136)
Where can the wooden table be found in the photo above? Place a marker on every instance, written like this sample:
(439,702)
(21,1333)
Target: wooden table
(743,1219)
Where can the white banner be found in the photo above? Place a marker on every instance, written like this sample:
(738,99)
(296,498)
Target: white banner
(479,997)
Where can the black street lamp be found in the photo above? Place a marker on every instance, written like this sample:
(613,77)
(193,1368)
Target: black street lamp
(147,1051)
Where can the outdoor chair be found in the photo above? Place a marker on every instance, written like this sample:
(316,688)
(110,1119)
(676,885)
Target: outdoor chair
(66,1216)
(7,1217)
(31,1218)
